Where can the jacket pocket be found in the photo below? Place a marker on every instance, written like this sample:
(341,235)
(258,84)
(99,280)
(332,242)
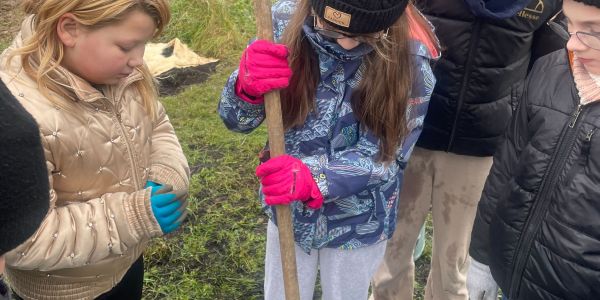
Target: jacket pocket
(583,159)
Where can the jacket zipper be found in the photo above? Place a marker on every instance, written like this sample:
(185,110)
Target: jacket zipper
(129,151)
(117,114)
(542,200)
(465,81)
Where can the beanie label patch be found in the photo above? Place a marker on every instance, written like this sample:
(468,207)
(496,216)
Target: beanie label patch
(337,17)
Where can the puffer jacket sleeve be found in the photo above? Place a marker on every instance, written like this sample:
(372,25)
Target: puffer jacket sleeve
(77,234)
(238,115)
(506,160)
(357,168)
(168,164)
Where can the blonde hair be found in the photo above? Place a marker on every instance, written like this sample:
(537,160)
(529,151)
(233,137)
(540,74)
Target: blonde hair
(43,52)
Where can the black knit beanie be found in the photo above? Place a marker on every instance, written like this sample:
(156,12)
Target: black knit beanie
(24,188)
(359,16)
(595,3)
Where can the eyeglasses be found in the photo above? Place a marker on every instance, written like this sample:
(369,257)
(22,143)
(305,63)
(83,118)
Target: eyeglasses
(591,40)
(331,33)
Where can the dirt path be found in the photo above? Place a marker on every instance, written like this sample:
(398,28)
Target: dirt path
(11,17)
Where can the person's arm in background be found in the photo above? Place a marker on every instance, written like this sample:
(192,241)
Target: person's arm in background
(480,283)
(506,160)
(24,187)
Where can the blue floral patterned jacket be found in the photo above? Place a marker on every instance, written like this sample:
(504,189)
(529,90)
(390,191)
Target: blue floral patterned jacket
(361,194)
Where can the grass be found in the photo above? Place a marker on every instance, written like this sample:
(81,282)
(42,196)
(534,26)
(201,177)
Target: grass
(219,252)
(11,19)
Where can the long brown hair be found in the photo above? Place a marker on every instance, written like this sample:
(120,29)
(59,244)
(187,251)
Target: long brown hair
(380,102)
(42,53)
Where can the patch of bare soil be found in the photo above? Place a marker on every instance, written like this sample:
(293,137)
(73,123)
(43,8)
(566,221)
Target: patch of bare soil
(10,19)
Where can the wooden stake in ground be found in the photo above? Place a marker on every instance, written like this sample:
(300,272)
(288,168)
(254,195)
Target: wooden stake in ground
(264,25)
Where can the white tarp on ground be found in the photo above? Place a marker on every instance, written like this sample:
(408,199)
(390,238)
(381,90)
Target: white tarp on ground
(175,66)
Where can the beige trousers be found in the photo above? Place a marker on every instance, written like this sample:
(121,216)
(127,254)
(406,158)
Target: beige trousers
(451,185)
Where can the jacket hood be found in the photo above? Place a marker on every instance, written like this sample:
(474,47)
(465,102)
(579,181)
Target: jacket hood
(419,35)
(496,9)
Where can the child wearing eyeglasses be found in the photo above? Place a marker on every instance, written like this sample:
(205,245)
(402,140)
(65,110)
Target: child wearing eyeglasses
(537,233)
(355,82)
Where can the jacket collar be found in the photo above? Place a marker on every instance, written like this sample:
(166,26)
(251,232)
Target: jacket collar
(587,86)
(86,92)
(333,49)
(332,54)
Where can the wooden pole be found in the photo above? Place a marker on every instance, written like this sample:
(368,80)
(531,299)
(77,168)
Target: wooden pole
(264,25)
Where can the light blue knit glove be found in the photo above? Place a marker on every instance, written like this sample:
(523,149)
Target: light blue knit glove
(168,206)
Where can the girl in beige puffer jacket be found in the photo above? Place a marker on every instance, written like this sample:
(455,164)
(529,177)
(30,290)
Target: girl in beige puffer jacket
(117,174)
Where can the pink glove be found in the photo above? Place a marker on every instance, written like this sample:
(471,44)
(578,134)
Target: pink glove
(263,68)
(286,179)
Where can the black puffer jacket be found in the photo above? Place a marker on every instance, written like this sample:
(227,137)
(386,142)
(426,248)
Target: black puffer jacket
(538,221)
(480,74)
(24,197)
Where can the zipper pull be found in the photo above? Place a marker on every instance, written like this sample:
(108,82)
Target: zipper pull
(586,146)
(575,116)
(588,137)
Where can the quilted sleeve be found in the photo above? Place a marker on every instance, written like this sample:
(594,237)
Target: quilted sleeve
(168,164)
(238,115)
(506,160)
(82,233)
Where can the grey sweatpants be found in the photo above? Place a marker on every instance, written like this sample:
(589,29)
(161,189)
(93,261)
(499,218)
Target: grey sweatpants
(345,274)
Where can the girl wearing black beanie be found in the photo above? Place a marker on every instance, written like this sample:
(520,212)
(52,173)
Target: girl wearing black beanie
(356,83)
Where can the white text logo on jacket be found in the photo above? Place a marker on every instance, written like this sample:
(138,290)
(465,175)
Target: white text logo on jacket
(533,11)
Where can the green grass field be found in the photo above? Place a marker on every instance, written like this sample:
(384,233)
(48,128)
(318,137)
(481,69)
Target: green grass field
(219,252)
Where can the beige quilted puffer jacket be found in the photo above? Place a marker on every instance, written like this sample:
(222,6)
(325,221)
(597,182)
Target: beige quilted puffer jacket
(98,160)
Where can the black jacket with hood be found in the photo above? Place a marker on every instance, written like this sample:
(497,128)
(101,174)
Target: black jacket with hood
(482,69)
(538,221)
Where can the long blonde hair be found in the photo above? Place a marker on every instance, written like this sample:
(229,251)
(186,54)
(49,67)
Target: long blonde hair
(380,102)
(43,52)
